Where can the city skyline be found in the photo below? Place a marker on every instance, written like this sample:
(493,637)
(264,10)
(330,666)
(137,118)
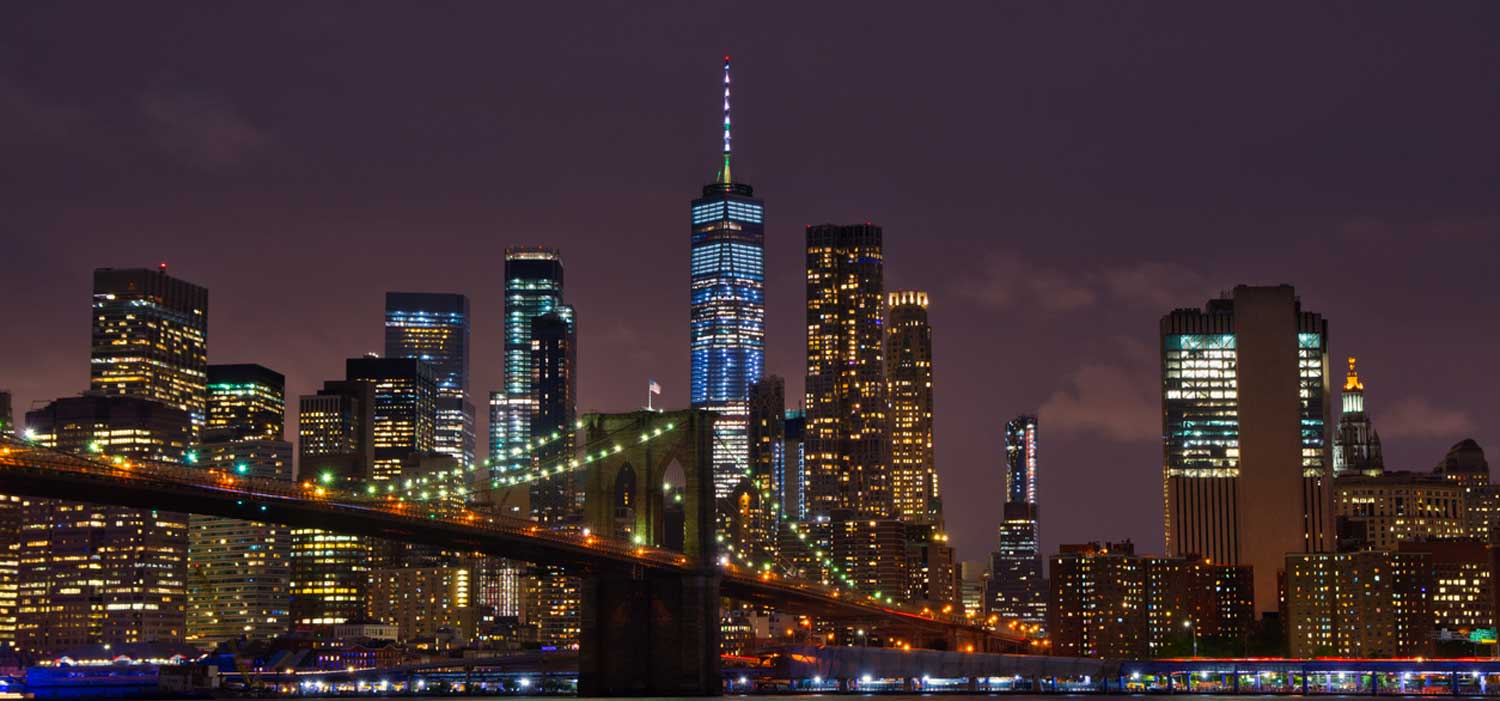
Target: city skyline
(1087,380)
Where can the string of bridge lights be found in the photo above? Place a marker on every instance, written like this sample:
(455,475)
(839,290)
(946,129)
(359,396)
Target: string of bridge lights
(450,484)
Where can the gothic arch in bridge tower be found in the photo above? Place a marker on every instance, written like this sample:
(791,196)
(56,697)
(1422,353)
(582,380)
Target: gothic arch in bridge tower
(650,443)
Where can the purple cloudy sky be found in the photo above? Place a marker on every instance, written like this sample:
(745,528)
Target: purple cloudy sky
(1056,175)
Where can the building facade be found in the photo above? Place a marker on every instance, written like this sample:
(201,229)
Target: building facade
(1383,511)
(533,288)
(847,438)
(764,485)
(336,443)
(1247,472)
(239,572)
(1463,595)
(245,402)
(1364,604)
(1107,601)
(728,310)
(1017,588)
(103,574)
(554,383)
(1356,445)
(434,328)
(150,339)
(405,409)
(908,368)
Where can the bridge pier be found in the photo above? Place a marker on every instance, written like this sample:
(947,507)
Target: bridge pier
(650,635)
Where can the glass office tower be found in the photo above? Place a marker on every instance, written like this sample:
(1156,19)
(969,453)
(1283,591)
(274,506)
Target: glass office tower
(1016,587)
(533,288)
(434,327)
(1245,414)
(728,310)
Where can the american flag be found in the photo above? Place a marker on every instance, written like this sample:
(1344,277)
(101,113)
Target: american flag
(653,387)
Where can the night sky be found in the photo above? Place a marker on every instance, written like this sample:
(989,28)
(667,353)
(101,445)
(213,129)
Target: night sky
(1056,175)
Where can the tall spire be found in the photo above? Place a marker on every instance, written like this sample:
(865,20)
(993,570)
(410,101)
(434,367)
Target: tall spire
(724,177)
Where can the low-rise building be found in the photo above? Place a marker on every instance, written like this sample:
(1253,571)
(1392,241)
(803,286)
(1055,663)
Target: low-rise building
(1371,603)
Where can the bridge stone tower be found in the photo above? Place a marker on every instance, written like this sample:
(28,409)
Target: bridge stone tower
(651,634)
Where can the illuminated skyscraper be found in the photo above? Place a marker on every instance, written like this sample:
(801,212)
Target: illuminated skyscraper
(1356,446)
(533,287)
(1247,472)
(908,368)
(336,439)
(245,402)
(238,577)
(405,409)
(434,328)
(103,574)
(847,436)
(1016,587)
(150,336)
(728,310)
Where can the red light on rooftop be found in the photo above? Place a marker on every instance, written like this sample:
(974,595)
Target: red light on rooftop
(163,266)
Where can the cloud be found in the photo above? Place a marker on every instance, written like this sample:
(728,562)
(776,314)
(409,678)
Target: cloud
(1007,281)
(25,117)
(203,131)
(1106,400)
(1417,417)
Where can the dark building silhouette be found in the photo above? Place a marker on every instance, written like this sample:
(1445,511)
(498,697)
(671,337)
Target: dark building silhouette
(554,383)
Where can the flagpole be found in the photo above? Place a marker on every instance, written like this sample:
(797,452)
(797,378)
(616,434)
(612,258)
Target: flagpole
(648,396)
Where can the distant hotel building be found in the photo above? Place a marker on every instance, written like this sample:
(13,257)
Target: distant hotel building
(1247,471)
(533,288)
(908,368)
(728,310)
(1017,589)
(434,327)
(847,439)
(239,578)
(1356,445)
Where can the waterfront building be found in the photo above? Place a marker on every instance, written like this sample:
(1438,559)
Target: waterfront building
(533,288)
(1462,597)
(239,572)
(103,574)
(1107,601)
(1383,511)
(727,317)
(431,607)
(1247,472)
(1356,445)
(434,328)
(336,444)
(405,409)
(847,439)
(1372,603)
(908,367)
(1017,589)
(150,339)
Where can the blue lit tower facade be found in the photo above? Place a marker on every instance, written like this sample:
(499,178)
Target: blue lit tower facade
(434,327)
(533,288)
(1016,588)
(728,310)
